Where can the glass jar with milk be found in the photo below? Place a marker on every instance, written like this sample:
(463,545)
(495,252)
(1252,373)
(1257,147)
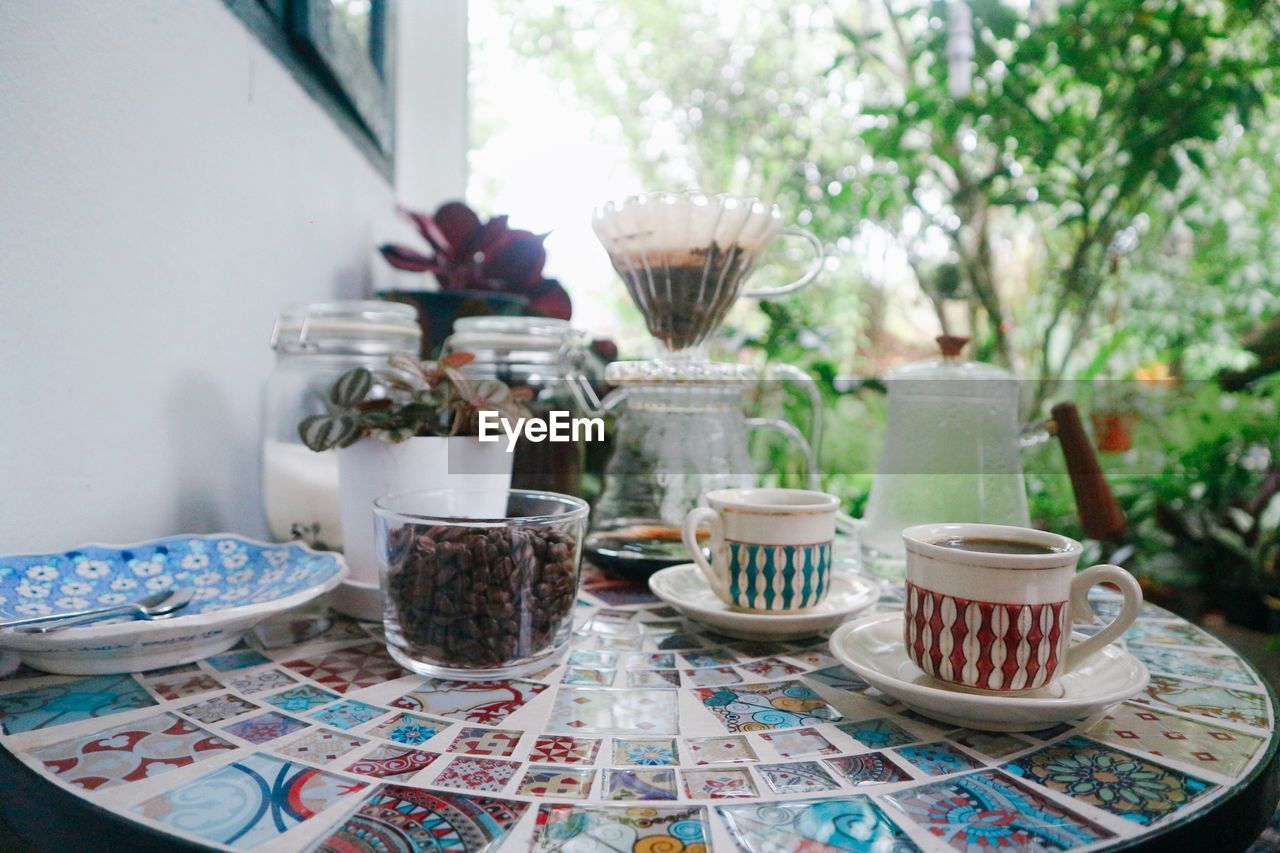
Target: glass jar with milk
(315,344)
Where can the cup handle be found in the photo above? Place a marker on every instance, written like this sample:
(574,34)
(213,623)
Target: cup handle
(1080,586)
(815,267)
(689,533)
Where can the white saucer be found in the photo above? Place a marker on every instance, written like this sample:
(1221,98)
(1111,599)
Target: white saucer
(686,589)
(873,647)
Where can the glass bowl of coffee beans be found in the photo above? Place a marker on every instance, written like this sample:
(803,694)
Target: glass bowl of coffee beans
(478,584)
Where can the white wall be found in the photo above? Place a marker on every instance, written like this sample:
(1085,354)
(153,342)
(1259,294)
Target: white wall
(165,186)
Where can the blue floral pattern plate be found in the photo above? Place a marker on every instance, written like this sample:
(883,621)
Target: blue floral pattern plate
(238,582)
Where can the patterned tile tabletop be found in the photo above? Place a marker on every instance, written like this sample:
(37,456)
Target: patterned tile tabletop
(652,734)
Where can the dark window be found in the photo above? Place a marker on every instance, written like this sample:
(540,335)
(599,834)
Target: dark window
(340,51)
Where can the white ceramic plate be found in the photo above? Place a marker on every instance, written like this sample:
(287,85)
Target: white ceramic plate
(239,582)
(873,647)
(685,589)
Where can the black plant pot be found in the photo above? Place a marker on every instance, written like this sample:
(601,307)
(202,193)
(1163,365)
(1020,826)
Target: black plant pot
(438,309)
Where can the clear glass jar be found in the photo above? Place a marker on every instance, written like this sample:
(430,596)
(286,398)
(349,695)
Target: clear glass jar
(478,585)
(315,344)
(549,358)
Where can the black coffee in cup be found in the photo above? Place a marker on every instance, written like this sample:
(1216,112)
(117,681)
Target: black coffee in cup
(996,546)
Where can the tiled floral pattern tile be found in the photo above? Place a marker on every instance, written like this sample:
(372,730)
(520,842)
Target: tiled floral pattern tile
(249,803)
(349,669)
(347,714)
(477,774)
(814,658)
(1205,700)
(231,661)
(218,708)
(771,668)
(426,821)
(565,749)
(937,758)
(621,643)
(392,761)
(321,746)
(655,661)
(1223,668)
(558,782)
(1135,789)
(760,707)
(265,727)
(838,677)
(592,660)
(720,750)
(580,675)
(722,657)
(712,676)
(127,753)
(719,784)
(487,702)
(180,686)
(300,699)
(639,784)
(569,827)
(869,768)
(71,701)
(1199,744)
(793,743)
(660,678)
(991,744)
(409,729)
(494,742)
(847,823)
(648,752)
(262,681)
(797,777)
(595,710)
(1146,632)
(879,733)
(991,811)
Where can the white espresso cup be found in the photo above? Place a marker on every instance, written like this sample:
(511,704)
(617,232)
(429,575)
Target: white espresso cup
(990,620)
(770,548)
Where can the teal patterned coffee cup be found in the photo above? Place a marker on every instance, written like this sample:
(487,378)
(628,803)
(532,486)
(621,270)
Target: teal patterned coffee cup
(770,548)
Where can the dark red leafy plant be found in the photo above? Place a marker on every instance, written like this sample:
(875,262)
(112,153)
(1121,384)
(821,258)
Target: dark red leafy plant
(475,255)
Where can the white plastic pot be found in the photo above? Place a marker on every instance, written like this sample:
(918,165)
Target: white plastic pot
(369,469)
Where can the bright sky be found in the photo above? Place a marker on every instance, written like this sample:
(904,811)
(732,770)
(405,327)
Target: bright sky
(547,165)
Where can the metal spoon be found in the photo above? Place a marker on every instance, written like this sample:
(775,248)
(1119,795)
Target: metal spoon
(159,605)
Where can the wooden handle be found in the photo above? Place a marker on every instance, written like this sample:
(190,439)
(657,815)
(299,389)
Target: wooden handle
(1100,515)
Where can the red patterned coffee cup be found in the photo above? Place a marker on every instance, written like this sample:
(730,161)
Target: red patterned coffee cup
(1002,621)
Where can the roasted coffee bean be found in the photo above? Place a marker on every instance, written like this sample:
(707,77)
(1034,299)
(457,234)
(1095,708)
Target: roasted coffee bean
(482,597)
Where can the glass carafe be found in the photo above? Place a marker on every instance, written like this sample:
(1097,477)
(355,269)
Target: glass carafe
(681,432)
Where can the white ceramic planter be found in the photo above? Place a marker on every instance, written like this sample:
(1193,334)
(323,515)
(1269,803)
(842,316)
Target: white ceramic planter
(370,469)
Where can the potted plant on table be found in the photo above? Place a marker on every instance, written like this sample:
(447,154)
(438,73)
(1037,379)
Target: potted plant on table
(481,267)
(411,426)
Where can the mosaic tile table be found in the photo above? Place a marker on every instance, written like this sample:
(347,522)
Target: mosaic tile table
(653,735)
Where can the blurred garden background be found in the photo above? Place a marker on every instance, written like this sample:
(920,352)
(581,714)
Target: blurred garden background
(1099,211)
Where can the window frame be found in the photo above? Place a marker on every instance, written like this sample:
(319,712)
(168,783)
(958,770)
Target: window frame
(356,89)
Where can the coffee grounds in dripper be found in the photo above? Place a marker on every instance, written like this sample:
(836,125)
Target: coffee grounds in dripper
(684,294)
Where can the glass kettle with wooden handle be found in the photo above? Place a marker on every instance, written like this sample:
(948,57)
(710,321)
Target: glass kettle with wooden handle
(953,454)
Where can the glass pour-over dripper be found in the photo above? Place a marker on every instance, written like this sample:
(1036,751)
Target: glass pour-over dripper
(685,258)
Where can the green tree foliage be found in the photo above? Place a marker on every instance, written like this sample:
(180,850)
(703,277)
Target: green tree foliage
(1034,204)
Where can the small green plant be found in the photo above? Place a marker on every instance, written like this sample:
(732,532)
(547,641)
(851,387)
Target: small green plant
(409,398)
